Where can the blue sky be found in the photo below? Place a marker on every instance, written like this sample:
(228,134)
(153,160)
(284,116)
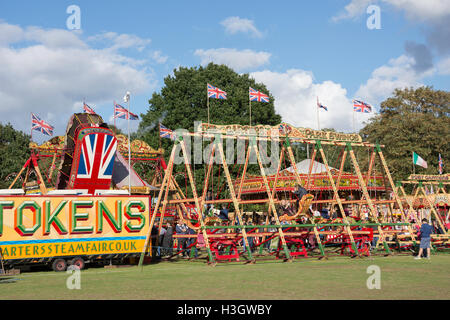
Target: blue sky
(299,49)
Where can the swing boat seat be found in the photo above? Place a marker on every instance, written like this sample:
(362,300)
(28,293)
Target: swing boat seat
(296,247)
(219,245)
(303,207)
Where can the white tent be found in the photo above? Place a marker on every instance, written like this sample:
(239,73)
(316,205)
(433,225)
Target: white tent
(121,171)
(303,167)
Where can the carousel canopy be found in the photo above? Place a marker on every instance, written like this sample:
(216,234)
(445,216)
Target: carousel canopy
(303,167)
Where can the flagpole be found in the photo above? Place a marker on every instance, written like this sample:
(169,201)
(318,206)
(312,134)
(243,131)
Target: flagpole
(207,100)
(127,98)
(250,106)
(318,122)
(114,115)
(354,130)
(31,131)
(129,150)
(159,135)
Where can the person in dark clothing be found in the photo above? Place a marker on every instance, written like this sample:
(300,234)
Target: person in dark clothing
(437,228)
(300,192)
(191,241)
(162,232)
(325,213)
(286,208)
(167,242)
(154,237)
(181,229)
(223,213)
(425,238)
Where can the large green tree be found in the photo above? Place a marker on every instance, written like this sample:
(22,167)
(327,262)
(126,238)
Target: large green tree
(14,152)
(183,100)
(412,120)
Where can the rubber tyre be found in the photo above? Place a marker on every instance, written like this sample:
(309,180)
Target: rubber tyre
(77,261)
(59,265)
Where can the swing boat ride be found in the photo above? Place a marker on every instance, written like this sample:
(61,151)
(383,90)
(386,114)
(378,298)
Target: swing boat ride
(228,241)
(74,183)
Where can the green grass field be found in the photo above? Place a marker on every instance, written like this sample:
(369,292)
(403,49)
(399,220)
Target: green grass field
(402,277)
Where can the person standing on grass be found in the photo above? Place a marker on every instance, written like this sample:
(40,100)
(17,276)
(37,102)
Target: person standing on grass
(181,229)
(425,238)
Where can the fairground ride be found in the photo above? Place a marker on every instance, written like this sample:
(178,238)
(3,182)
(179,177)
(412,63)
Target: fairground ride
(373,223)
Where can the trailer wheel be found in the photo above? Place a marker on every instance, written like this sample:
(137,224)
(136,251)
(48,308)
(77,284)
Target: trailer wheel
(77,261)
(59,265)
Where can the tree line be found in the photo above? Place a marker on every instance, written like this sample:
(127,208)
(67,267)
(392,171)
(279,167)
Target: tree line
(410,120)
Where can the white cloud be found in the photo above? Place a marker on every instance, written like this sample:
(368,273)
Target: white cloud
(443,67)
(10,33)
(353,9)
(158,57)
(121,41)
(397,73)
(238,60)
(53,70)
(296,93)
(428,10)
(423,10)
(234,25)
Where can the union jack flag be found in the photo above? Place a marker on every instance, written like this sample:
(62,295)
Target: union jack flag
(96,161)
(165,132)
(441,164)
(216,93)
(88,109)
(257,95)
(41,126)
(360,106)
(122,113)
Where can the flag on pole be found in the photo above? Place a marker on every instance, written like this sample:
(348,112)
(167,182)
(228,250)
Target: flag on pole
(165,132)
(256,95)
(319,105)
(419,161)
(216,93)
(360,106)
(126,98)
(88,109)
(41,126)
(441,165)
(122,113)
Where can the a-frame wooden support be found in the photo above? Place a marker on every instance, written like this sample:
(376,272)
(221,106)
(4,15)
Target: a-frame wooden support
(394,191)
(336,196)
(367,196)
(297,177)
(421,189)
(29,164)
(252,144)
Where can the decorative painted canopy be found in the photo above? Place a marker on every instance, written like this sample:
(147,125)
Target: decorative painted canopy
(317,182)
(281,130)
(139,148)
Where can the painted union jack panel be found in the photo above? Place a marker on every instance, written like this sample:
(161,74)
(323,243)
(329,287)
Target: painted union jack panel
(93,160)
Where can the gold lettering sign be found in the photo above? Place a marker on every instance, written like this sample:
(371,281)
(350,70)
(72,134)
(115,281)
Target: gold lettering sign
(442,177)
(281,130)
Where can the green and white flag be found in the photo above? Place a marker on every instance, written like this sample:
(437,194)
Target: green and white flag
(419,161)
